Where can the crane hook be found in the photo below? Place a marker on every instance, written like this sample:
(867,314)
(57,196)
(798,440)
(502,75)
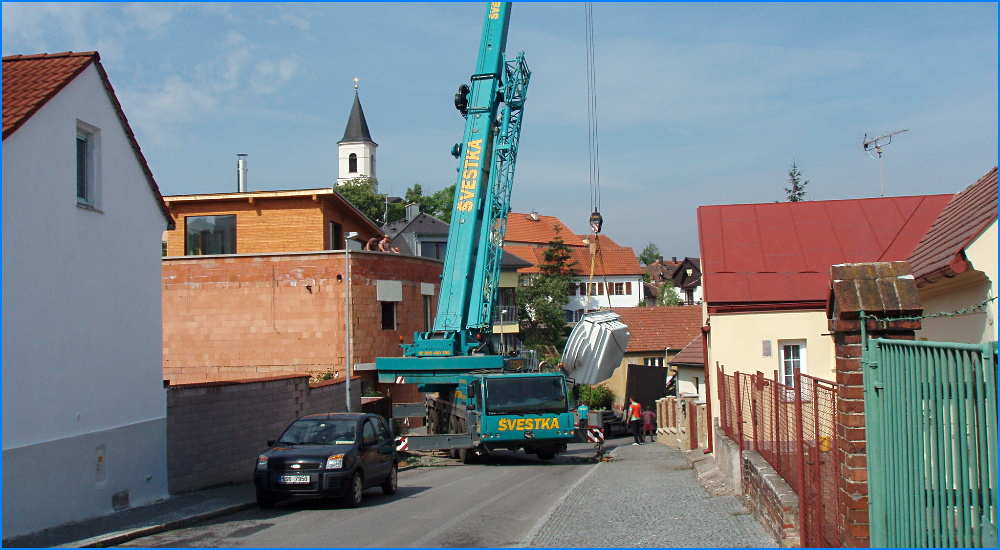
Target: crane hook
(596,221)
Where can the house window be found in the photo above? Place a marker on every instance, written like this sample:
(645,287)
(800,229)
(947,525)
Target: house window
(652,361)
(388,315)
(87,164)
(628,288)
(427,312)
(336,236)
(431,249)
(210,235)
(352,163)
(568,313)
(793,358)
(571,289)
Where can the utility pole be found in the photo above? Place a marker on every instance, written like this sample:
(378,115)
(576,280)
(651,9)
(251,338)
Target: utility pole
(873,146)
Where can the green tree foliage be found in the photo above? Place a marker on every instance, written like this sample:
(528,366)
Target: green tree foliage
(667,295)
(361,193)
(596,397)
(797,190)
(438,204)
(541,301)
(649,254)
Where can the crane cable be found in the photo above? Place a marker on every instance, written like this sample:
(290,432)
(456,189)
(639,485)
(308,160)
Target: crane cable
(593,155)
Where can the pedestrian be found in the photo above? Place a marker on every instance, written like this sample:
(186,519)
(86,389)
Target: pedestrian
(634,414)
(385,245)
(648,424)
(584,411)
(372,244)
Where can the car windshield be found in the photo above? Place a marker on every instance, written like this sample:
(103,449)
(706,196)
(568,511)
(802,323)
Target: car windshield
(312,431)
(525,395)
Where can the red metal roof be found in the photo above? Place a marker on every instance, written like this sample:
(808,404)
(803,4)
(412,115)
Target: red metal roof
(660,328)
(523,228)
(30,81)
(964,219)
(779,254)
(613,261)
(692,354)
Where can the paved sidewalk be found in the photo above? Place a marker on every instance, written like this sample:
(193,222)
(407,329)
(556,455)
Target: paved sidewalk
(648,496)
(172,513)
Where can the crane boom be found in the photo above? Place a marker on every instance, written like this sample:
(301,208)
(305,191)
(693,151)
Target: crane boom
(492,106)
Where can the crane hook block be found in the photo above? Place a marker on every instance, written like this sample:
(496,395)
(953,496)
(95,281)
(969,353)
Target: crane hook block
(596,221)
(462,99)
(456,150)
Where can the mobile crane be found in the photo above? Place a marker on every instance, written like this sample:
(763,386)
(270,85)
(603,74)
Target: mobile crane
(484,402)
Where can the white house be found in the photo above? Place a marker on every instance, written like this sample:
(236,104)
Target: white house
(84,408)
(356,150)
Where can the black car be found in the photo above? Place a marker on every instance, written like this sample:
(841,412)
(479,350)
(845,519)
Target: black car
(332,454)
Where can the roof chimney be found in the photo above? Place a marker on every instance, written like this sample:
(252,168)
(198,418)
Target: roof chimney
(533,215)
(412,210)
(241,172)
(674,259)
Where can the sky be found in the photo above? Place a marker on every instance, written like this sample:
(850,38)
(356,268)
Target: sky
(697,103)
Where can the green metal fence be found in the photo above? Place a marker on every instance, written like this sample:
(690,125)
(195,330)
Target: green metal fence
(931,418)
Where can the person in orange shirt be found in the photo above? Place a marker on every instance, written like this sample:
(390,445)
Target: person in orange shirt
(634,413)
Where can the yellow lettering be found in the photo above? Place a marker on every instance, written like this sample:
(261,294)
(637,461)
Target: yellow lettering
(469,175)
(466,194)
(494,10)
(476,144)
(465,206)
(466,184)
(502,425)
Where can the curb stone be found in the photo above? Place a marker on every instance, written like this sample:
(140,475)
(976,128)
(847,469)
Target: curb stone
(111,539)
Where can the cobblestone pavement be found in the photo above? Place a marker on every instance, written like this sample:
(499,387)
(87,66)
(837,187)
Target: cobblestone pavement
(648,496)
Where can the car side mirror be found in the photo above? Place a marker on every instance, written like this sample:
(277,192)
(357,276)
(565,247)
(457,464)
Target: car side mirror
(270,443)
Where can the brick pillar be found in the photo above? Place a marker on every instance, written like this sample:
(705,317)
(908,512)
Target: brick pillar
(880,289)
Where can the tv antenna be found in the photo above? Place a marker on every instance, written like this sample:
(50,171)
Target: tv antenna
(874,148)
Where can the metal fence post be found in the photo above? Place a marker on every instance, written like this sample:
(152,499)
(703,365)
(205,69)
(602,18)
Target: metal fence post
(802,462)
(753,409)
(775,438)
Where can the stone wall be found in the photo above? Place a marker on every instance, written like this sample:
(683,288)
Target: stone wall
(215,430)
(771,500)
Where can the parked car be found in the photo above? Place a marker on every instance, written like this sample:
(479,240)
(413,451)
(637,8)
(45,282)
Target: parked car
(331,454)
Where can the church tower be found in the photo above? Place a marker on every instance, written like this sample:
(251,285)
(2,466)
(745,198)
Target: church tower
(356,150)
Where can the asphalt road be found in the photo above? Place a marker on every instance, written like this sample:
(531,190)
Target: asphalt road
(503,501)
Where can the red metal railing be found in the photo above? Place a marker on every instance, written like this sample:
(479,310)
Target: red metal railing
(792,427)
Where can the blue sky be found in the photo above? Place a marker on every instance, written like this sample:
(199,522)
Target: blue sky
(698,103)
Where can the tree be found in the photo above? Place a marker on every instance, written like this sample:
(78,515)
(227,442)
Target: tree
(797,191)
(668,295)
(649,254)
(541,301)
(361,193)
(438,204)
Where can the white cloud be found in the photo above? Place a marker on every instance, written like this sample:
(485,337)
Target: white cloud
(153,18)
(270,75)
(298,22)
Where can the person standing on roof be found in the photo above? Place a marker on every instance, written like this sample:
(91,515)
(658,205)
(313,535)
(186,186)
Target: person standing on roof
(634,415)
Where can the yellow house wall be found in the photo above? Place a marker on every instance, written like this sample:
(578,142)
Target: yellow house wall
(967,289)
(735,342)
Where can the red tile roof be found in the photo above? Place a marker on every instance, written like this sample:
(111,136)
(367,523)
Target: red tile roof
(660,328)
(779,254)
(522,228)
(30,81)
(964,219)
(692,354)
(614,261)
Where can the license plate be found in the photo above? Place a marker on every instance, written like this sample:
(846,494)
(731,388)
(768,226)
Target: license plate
(293,479)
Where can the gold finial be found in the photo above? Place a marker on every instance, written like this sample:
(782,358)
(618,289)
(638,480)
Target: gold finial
(356,81)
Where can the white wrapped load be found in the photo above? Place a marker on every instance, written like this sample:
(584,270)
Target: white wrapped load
(595,347)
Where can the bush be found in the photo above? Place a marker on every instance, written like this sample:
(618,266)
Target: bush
(596,397)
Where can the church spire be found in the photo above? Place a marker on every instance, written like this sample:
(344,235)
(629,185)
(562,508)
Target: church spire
(357,126)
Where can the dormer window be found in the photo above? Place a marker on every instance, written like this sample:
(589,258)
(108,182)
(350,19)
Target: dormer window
(352,163)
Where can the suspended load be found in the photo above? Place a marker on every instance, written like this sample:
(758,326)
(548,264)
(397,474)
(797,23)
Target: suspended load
(595,347)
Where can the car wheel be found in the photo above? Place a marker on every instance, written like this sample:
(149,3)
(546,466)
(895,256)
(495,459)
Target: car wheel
(390,484)
(265,499)
(546,454)
(355,492)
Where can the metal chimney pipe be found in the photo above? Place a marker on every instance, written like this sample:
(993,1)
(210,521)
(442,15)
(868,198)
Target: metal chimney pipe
(241,172)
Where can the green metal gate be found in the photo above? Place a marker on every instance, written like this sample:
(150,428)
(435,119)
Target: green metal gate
(931,418)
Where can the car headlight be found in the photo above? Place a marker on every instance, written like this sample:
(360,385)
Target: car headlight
(262,462)
(334,462)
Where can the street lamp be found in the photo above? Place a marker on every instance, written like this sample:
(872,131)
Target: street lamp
(348,237)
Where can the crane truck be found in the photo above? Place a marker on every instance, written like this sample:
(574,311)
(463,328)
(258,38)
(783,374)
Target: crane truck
(483,402)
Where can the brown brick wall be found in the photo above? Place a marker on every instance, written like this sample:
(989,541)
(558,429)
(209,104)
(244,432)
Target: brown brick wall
(251,316)
(882,289)
(215,431)
(771,500)
(271,224)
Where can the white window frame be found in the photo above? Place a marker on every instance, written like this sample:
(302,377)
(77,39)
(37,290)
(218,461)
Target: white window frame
(92,135)
(652,361)
(788,377)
